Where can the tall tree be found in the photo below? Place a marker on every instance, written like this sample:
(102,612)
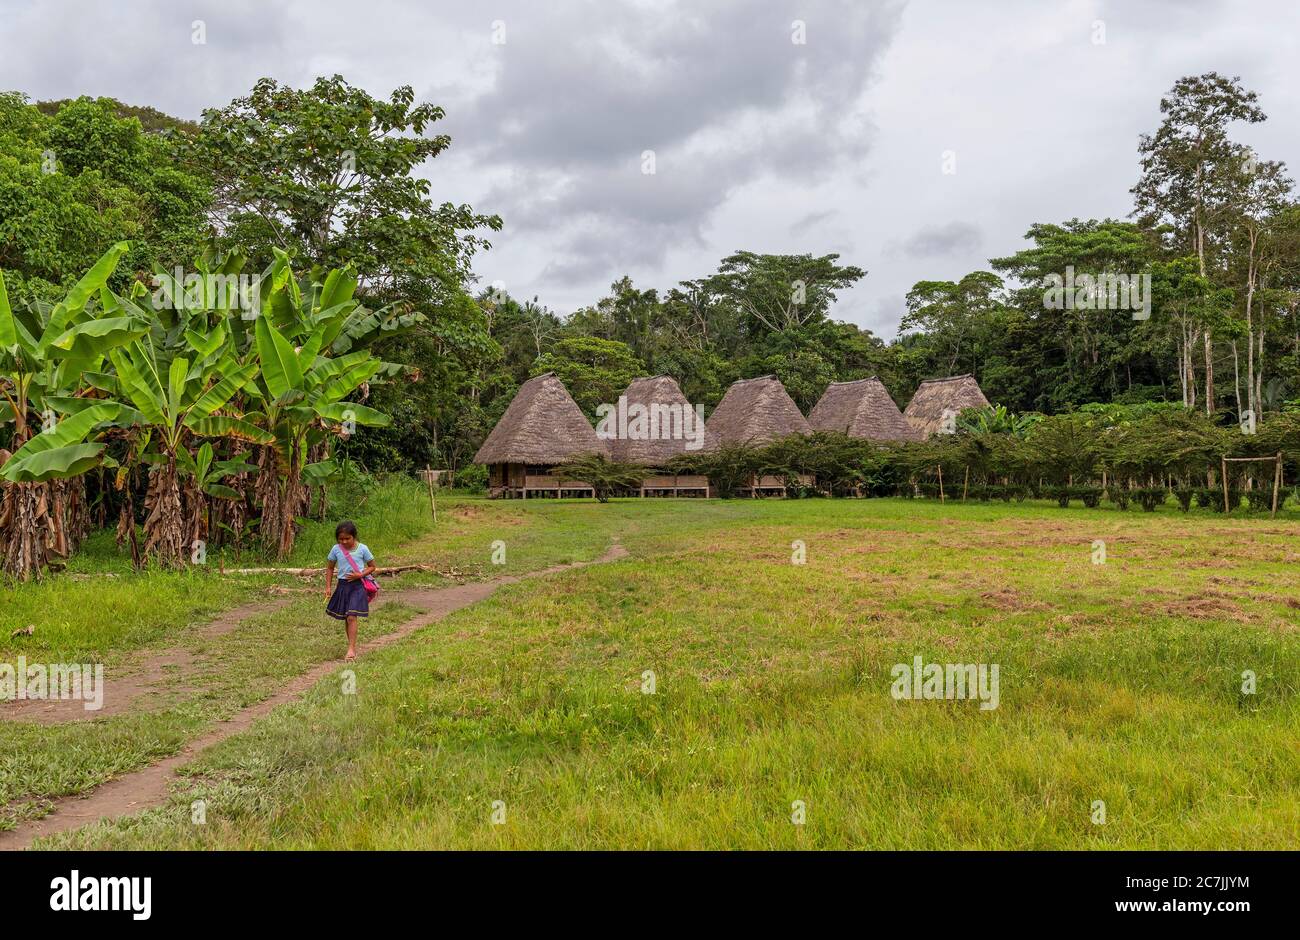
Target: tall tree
(1190,176)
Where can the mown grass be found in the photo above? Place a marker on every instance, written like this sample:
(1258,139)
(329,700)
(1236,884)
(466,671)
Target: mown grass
(1119,682)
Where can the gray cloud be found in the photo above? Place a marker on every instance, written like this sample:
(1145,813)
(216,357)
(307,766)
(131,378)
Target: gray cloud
(720,97)
(940,241)
(759,143)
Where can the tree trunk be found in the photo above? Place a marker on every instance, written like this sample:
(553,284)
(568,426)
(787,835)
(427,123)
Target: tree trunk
(1209,374)
(164,524)
(283,499)
(126,524)
(26,516)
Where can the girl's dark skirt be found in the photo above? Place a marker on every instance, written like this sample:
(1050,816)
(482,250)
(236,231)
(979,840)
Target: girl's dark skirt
(349,600)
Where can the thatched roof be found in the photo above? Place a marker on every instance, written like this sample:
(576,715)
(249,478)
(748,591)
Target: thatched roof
(543,425)
(925,412)
(861,409)
(756,411)
(668,433)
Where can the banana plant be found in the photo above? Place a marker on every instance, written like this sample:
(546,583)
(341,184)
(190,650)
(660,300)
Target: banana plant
(60,453)
(301,394)
(204,475)
(176,395)
(46,351)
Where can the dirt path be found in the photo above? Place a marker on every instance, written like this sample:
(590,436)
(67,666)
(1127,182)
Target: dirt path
(149,787)
(159,675)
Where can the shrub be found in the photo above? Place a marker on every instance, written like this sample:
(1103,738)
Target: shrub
(1120,496)
(1150,497)
(472,478)
(1184,496)
(1216,498)
(1090,496)
(606,477)
(1059,493)
(1207,498)
(1260,499)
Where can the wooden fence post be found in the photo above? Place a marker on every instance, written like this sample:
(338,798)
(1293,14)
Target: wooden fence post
(1223,464)
(1277,484)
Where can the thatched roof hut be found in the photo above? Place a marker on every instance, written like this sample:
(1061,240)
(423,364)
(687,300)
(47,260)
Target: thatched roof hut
(756,411)
(669,424)
(861,409)
(543,426)
(936,399)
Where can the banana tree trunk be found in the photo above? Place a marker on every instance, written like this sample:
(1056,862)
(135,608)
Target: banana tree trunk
(293,503)
(164,524)
(58,542)
(126,526)
(26,516)
(268,498)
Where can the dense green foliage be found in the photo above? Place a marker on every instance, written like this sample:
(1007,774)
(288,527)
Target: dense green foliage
(334,176)
(1115,450)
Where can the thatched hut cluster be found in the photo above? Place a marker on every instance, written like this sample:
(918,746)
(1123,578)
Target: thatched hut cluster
(653,422)
(937,402)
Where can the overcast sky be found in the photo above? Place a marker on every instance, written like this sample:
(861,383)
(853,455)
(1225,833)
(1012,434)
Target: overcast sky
(836,143)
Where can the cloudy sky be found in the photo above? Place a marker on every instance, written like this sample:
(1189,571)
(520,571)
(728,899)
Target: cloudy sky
(917,138)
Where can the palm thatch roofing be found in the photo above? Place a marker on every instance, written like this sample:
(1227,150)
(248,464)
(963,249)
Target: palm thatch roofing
(669,431)
(861,409)
(543,425)
(756,411)
(937,398)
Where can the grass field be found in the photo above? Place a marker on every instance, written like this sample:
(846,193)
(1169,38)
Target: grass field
(524,720)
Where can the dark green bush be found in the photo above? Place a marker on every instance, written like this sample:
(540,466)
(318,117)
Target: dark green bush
(1184,496)
(1120,496)
(1090,496)
(1150,497)
(1260,499)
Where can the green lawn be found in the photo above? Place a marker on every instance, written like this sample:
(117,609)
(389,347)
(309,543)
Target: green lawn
(1119,682)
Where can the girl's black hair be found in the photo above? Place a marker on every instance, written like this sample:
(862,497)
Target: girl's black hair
(346,526)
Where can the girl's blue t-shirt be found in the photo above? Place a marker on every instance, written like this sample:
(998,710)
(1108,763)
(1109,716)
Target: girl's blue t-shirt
(361,555)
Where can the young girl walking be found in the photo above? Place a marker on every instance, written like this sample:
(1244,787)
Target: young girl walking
(350,593)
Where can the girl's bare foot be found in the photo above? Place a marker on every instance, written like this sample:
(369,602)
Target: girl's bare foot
(352,654)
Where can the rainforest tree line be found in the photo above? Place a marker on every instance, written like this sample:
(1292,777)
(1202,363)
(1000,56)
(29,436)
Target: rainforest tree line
(311,196)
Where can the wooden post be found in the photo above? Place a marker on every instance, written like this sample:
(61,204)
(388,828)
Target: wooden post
(941,499)
(1223,463)
(1277,484)
(433,502)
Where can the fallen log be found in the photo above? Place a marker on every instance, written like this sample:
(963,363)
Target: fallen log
(315,570)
